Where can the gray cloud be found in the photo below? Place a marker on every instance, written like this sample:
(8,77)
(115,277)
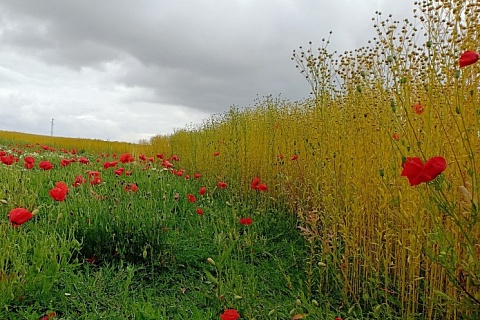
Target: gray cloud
(87,62)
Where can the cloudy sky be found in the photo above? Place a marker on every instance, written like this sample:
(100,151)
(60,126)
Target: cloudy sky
(127,70)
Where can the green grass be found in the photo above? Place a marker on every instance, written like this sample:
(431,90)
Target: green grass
(151,251)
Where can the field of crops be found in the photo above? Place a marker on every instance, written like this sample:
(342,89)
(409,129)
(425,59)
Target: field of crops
(361,202)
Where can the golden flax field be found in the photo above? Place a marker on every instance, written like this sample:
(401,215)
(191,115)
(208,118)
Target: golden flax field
(336,161)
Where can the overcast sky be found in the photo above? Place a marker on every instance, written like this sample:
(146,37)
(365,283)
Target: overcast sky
(127,70)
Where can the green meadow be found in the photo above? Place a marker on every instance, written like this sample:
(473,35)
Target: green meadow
(359,202)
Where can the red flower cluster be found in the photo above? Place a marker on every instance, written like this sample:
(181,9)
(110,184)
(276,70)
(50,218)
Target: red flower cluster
(222,185)
(256,185)
(417,172)
(8,159)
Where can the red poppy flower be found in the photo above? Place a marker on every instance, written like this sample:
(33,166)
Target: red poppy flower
(166,164)
(175,158)
(160,156)
(417,172)
(83,160)
(29,162)
(19,216)
(64,162)
(294,157)
(468,58)
(257,186)
(196,176)
(191,198)
(59,193)
(216,154)
(396,136)
(8,159)
(246,221)
(126,157)
(199,211)
(230,314)
(79,180)
(222,185)
(418,108)
(202,191)
(119,171)
(49,316)
(45,165)
(132,187)
(255,183)
(110,164)
(262,187)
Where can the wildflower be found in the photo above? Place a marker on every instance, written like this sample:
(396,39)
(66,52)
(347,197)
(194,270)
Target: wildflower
(199,211)
(8,159)
(79,180)
(196,176)
(64,162)
(166,164)
(418,108)
(262,187)
(45,165)
(396,136)
(222,185)
(59,192)
(126,157)
(94,177)
(257,186)
(216,154)
(83,160)
(119,171)
(29,162)
(132,187)
(19,216)
(110,164)
(202,191)
(246,221)
(191,198)
(417,172)
(49,315)
(230,314)
(255,183)
(142,157)
(294,157)
(468,58)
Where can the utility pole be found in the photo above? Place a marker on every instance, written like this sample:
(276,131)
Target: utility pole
(51,127)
